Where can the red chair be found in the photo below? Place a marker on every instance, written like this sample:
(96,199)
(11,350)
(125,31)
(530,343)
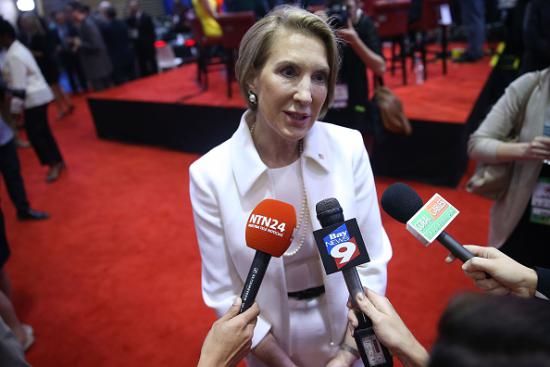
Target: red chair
(234,26)
(206,56)
(430,20)
(392,20)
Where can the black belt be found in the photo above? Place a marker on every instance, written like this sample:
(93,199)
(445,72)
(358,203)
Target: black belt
(308,293)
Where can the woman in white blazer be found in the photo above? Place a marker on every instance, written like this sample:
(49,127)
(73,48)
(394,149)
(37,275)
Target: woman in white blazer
(287,67)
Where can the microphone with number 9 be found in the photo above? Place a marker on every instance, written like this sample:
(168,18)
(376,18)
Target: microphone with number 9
(269,231)
(342,249)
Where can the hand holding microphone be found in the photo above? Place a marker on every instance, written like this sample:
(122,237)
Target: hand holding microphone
(389,328)
(507,275)
(230,337)
(341,248)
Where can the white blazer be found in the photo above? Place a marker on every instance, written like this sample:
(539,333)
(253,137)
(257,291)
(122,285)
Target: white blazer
(21,71)
(230,180)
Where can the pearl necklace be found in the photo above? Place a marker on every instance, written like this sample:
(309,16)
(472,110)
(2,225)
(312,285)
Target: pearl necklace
(303,221)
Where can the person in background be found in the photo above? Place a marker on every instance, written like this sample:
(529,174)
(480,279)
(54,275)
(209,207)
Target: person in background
(66,31)
(536,36)
(11,172)
(40,42)
(287,68)
(519,218)
(230,338)
(473,23)
(119,47)
(259,7)
(21,72)
(24,333)
(474,330)
(362,51)
(206,12)
(100,17)
(90,48)
(142,33)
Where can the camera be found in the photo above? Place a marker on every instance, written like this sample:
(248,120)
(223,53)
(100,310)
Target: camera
(338,15)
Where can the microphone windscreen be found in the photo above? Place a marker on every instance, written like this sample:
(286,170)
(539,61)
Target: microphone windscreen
(270,227)
(401,202)
(329,212)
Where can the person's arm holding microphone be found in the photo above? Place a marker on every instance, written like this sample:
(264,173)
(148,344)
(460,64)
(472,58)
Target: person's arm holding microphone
(507,276)
(390,329)
(367,214)
(230,338)
(218,278)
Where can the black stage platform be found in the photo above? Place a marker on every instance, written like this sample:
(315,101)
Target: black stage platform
(435,153)
(171,110)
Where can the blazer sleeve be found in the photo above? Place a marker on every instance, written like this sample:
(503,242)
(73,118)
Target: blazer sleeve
(16,78)
(374,273)
(220,281)
(501,120)
(543,282)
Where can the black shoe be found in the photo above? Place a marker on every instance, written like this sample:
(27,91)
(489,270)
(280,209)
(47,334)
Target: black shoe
(31,214)
(465,57)
(55,171)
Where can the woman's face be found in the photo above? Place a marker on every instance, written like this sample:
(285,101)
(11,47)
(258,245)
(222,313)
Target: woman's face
(292,85)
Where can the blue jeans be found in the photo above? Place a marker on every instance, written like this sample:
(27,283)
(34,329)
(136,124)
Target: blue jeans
(473,21)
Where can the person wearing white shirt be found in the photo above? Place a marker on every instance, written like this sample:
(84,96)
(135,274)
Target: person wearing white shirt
(20,71)
(287,68)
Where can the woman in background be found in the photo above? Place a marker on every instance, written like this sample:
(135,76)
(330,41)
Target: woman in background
(40,43)
(520,219)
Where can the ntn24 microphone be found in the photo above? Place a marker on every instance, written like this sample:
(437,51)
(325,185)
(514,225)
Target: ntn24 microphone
(341,246)
(269,231)
(270,227)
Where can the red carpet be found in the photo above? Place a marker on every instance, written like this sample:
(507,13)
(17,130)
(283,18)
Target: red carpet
(113,279)
(442,98)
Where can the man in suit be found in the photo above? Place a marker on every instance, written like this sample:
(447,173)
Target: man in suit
(91,49)
(142,33)
(65,31)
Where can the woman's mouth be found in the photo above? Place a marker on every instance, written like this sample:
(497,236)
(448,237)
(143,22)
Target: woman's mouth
(297,117)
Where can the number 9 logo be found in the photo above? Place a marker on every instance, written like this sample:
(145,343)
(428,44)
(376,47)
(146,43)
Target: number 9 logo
(343,251)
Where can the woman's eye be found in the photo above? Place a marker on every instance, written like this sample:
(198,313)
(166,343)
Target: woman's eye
(320,78)
(288,72)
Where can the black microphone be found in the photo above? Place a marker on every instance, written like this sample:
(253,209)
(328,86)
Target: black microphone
(401,202)
(342,248)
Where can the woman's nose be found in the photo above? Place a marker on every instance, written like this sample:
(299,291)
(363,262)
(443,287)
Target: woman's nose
(303,91)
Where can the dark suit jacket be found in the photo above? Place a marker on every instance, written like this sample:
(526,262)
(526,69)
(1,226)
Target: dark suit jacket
(536,36)
(145,42)
(92,51)
(118,43)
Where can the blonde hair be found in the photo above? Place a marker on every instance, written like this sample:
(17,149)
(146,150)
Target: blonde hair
(257,42)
